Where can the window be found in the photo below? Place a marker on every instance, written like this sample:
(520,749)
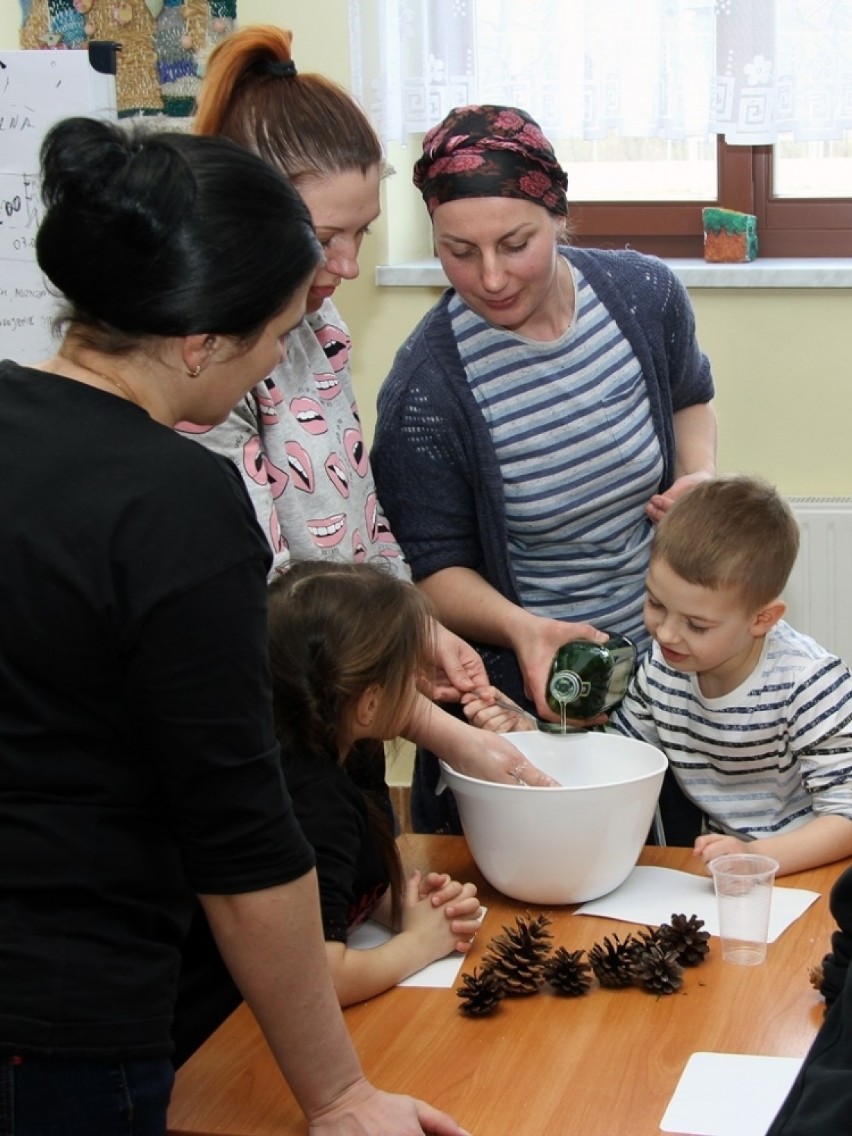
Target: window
(789,224)
(656,107)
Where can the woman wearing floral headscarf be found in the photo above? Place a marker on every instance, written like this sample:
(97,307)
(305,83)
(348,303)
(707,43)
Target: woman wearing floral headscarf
(545,412)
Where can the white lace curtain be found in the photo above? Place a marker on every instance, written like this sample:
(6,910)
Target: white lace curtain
(752,70)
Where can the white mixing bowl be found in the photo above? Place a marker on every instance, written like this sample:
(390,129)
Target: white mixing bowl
(567,844)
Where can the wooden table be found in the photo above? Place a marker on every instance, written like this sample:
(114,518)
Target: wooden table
(604,1064)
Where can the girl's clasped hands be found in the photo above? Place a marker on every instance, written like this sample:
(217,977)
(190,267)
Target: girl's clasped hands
(442,911)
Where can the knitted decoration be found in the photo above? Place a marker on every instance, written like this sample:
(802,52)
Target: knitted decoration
(612,961)
(685,937)
(567,973)
(164,45)
(481,994)
(517,957)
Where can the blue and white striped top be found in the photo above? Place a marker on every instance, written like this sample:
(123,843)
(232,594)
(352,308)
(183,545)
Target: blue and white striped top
(764,758)
(574,438)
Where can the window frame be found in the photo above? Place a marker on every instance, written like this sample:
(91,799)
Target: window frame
(816,227)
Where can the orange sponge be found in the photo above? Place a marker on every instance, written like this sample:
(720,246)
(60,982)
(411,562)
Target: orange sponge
(729,237)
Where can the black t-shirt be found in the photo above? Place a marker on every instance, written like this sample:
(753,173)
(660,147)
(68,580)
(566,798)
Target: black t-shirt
(820,1099)
(138,762)
(329,804)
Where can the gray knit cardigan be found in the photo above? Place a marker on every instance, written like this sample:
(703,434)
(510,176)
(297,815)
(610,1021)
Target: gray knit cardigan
(435,467)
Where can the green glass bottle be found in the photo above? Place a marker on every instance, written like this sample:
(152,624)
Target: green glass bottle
(587,679)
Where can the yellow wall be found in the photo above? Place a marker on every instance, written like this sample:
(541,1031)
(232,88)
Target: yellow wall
(10,21)
(780,356)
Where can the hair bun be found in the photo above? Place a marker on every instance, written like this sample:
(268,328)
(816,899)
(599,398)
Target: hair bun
(78,157)
(136,184)
(164,233)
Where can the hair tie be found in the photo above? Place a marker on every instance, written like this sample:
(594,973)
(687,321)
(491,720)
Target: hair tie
(280,68)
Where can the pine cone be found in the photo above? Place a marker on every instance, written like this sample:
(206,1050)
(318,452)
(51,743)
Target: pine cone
(481,994)
(685,937)
(611,961)
(567,973)
(648,936)
(657,969)
(517,957)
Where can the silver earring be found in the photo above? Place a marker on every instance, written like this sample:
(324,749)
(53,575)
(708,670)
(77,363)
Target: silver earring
(195,372)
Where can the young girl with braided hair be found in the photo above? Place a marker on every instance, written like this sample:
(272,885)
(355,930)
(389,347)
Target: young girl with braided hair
(347,645)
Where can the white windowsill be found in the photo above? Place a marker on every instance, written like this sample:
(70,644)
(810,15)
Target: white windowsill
(780,272)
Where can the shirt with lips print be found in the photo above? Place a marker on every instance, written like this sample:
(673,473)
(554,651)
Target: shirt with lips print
(296,439)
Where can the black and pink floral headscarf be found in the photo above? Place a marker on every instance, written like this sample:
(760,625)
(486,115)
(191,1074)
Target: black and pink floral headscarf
(490,151)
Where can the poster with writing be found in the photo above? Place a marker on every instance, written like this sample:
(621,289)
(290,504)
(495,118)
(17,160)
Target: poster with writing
(37,88)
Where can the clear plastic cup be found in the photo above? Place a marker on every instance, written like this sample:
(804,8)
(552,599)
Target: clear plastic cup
(744,883)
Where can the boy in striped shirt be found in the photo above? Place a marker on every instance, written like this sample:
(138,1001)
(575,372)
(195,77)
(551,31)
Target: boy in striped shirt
(754,717)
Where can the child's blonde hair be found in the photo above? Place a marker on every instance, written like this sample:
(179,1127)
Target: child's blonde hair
(733,532)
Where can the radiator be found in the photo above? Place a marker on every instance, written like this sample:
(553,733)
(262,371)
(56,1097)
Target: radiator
(819,592)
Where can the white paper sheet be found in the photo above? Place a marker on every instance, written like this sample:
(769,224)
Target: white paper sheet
(652,895)
(729,1094)
(442,973)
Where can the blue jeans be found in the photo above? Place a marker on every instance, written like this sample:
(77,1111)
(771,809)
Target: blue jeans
(46,1096)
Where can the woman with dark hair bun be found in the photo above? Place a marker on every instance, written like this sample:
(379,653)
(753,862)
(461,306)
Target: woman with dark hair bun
(137,240)
(138,761)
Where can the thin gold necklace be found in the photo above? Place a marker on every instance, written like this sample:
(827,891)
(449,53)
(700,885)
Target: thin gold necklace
(119,386)
(117,383)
